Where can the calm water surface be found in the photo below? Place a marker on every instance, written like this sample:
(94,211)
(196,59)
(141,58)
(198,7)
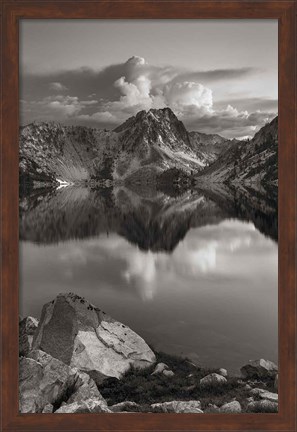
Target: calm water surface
(208,292)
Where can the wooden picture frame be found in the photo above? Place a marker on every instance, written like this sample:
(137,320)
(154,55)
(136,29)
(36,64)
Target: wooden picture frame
(285,12)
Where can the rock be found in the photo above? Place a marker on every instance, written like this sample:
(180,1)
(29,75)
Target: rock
(87,406)
(231,407)
(255,383)
(126,406)
(273,397)
(179,407)
(247,387)
(211,408)
(48,409)
(223,372)
(86,389)
(250,399)
(259,369)
(262,406)
(168,373)
(276,382)
(80,335)
(257,391)
(160,368)
(27,328)
(212,380)
(45,380)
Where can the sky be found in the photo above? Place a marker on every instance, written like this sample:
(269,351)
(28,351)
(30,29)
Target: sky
(218,76)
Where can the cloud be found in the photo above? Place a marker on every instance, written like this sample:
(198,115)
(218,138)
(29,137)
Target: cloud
(188,94)
(57,86)
(250,104)
(57,107)
(217,74)
(123,89)
(229,122)
(104,117)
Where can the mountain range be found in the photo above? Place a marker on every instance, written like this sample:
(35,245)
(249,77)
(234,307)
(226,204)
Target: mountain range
(140,150)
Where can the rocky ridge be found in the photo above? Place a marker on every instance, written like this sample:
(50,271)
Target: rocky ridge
(248,162)
(136,152)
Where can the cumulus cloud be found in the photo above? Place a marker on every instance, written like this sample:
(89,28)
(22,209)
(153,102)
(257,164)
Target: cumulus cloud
(186,94)
(126,88)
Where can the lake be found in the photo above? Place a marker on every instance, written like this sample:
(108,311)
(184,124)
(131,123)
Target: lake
(194,275)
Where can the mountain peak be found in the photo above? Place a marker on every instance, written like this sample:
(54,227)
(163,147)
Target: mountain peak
(156,127)
(154,115)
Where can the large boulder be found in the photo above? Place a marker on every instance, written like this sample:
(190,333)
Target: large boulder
(233,407)
(27,329)
(259,369)
(44,380)
(213,380)
(80,335)
(86,406)
(178,407)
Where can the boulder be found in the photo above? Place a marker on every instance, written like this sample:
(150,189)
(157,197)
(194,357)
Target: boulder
(86,406)
(259,369)
(233,407)
(44,380)
(178,407)
(212,380)
(80,335)
(263,406)
(211,409)
(257,391)
(223,372)
(168,373)
(250,399)
(273,397)
(27,328)
(85,389)
(48,409)
(160,368)
(126,406)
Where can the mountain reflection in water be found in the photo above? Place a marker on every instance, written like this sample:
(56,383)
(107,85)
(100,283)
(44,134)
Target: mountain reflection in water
(194,274)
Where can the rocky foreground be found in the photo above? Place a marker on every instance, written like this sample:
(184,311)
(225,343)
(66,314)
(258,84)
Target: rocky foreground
(77,359)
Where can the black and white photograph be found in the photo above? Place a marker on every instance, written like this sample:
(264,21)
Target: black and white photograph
(148,216)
